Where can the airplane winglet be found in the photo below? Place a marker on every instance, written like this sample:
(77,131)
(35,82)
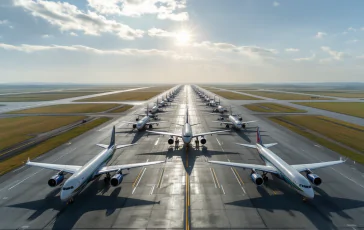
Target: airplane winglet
(28,160)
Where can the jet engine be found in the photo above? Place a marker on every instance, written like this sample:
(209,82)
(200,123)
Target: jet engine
(134,126)
(227,126)
(55,180)
(170,141)
(116,179)
(243,126)
(240,118)
(257,178)
(150,126)
(314,179)
(203,140)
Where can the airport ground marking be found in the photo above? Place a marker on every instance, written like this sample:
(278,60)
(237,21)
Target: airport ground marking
(187,223)
(222,188)
(232,169)
(152,189)
(156,143)
(160,179)
(212,175)
(140,178)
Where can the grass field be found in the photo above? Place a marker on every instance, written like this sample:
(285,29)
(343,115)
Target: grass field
(355,109)
(233,96)
(345,94)
(273,108)
(44,96)
(316,128)
(18,129)
(69,108)
(283,96)
(46,146)
(121,109)
(137,95)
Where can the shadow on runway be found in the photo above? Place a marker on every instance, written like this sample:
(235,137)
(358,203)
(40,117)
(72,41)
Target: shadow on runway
(88,201)
(188,158)
(319,210)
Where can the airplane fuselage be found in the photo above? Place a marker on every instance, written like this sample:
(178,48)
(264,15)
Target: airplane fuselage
(140,125)
(286,172)
(236,122)
(187,133)
(85,174)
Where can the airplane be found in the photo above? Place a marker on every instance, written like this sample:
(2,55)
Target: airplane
(219,109)
(212,102)
(143,123)
(291,174)
(82,175)
(234,121)
(187,134)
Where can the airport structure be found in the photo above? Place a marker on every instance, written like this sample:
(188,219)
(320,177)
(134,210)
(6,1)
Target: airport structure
(196,161)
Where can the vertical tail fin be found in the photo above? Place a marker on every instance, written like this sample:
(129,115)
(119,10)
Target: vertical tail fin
(112,140)
(187,115)
(147,109)
(259,138)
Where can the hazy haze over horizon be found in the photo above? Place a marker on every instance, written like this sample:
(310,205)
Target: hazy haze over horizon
(178,41)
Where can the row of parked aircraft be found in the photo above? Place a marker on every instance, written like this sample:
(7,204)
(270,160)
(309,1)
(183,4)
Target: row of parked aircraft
(82,175)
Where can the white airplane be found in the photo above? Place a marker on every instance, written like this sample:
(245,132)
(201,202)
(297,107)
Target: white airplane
(235,122)
(219,109)
(82,175)
(291,174)
(187,134)
(143,123)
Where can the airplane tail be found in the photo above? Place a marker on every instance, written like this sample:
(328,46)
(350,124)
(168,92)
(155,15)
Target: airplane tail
(112,140)
(260,141)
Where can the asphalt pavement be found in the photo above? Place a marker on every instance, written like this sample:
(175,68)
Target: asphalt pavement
(186,192)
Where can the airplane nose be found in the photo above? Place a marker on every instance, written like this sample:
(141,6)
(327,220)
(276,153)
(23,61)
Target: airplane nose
(310,194)
(64,196)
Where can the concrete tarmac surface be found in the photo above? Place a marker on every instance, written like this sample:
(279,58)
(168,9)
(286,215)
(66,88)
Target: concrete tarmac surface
(186,192)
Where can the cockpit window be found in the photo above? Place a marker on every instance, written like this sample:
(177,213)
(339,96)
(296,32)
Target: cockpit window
(67,188)
(305,186)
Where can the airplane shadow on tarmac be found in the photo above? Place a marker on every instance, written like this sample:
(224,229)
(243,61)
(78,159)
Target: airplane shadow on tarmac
(89,200)
(188,158)
(319,211)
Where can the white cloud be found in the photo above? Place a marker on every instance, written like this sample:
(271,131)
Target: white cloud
(73,34)
(352,29)
(4,22)
(292,50)
(276,4)
(86,49)
(352,41)
(310,58)
(164,9)
(46,36)
(335,55)
(155,32)
(250,51)
(69,17)
(320,34)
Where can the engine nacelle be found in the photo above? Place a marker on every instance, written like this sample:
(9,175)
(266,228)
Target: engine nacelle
(134,126)
(116,179)
(137,119)
(243,126)
(314,179)
(227,126)
(55,180)
(257,179)
(203,141)
(170,141)
(150,126)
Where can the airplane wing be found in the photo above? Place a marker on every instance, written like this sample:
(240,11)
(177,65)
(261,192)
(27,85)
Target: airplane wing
(165,133)
(155,122)
(210,133)
(247,122)
(114,168)
(263,168)
(128,122)
(224,122)
(57,167)
(304,167)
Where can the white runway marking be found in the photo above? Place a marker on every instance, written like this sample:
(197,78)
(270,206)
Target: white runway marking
(157,141)
(151,192)
(139,180)
(213,178)
(222,188)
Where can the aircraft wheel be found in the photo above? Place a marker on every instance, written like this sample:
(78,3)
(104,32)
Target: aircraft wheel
(265,178)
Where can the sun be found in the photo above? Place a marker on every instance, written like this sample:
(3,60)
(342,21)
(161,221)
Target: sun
(183,37)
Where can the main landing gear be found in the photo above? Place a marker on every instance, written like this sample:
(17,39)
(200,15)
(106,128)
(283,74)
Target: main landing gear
(107,178)
(197,143)
(70,201)
(265,178)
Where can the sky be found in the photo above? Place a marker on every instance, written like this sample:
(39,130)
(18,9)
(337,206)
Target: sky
(181,41)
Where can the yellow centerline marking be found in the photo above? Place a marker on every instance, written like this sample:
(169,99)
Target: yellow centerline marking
(238,176)
(187,225)
(160,179)
(136,179)
(217,181)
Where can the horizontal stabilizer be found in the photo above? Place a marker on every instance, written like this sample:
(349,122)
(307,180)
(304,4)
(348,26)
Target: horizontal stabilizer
(246,145)
(123,146)
(270,145)
(102,146)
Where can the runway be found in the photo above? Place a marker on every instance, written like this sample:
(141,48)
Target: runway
(186,192)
